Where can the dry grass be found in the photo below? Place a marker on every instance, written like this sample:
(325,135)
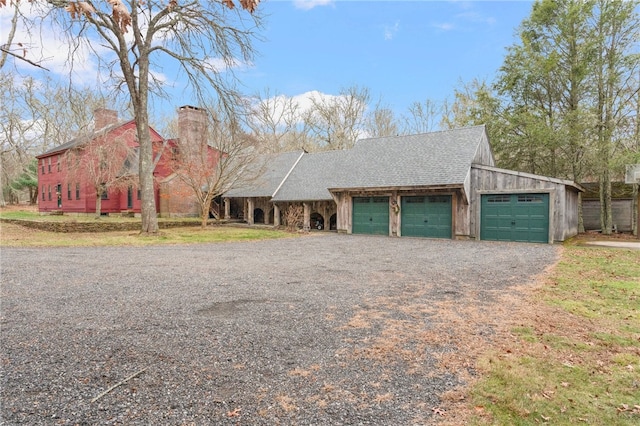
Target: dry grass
(552,325)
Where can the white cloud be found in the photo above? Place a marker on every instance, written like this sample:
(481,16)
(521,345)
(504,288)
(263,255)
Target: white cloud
(219,65)
(476,17)
(443,26)
(43,43)
(302,104)
(391,30)
(310,4)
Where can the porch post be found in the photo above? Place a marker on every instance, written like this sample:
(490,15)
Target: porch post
(276,215)
(306,224)
(250,208)
(227,208)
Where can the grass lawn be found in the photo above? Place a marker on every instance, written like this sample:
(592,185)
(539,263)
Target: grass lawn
(571,354)
(18,236)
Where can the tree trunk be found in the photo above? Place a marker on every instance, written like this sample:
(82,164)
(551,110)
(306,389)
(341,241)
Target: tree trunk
(580,217)
(98,204)
(147,193)
(634,210)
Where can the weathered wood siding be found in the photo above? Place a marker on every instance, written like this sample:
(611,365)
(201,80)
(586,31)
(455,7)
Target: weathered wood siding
(460,207)
(563,199)
(484,156)
(343,211)
(622,211)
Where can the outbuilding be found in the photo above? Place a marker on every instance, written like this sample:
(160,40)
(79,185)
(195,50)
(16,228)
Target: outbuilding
(435,185)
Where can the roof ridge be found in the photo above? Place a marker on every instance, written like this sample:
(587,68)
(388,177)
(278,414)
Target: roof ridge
(425,133)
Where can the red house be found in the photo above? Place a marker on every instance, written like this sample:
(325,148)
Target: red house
(104,164)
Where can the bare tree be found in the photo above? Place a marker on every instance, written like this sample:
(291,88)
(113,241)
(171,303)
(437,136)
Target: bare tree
(202,38)
(104,163)
(275,121)
(226,158)
(31,120)
(381,122)
(336,122)
(423,117)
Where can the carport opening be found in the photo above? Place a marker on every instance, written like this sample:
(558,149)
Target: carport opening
(333,222)
(317,221)
(258,216)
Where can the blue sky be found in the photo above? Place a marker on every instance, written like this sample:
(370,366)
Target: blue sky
(403,51)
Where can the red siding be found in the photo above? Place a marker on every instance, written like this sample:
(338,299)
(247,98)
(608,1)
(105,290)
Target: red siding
(50,176)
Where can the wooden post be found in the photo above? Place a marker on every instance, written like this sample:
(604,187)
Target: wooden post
(250,208)
(306,224)
(227,208)
(276,215)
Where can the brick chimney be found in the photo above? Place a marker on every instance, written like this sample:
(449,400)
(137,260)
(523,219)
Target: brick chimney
(103,117)
(192,128)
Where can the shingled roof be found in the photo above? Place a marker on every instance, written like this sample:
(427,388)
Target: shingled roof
(276,171)
(430,159)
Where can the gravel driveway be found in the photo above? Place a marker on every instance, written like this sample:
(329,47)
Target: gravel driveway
(322,329)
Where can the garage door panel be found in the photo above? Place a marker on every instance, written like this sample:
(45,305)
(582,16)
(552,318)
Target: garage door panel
(426,216)
(371,215)
(515,217)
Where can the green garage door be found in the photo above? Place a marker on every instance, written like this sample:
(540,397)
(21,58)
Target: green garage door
(426,216)
(371,215)
(515,217)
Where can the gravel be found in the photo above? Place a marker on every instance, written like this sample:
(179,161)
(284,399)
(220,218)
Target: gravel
(284,331)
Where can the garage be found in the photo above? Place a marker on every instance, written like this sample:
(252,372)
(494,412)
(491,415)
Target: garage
(426,216)
(515,217)
(371,215)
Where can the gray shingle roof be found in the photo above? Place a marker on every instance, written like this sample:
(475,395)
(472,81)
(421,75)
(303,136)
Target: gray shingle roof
(438,158)
(275,172)
(429,159)
(313,174)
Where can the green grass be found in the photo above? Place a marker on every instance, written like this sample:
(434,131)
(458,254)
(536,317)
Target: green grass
(18,236)
(580,365)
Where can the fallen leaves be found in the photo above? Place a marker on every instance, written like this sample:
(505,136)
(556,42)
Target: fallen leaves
(440,412)
(234,413)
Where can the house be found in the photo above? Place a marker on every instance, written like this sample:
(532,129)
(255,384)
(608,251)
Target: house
(68,173)
(438,185)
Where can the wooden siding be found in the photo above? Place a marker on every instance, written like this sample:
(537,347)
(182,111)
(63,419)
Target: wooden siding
(563,199)
(484,155)
(622,211)
(460,209)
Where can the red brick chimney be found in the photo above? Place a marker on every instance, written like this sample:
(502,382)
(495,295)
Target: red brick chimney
(192,128)
(103,117)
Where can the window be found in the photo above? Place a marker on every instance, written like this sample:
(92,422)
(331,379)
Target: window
(138,193)
(130,197)
(104,192)
(58,163)
(530,198)
(77,191)
(43,161)
(43,190)
(49,164)
(68,191)
(504,198)
(439,199)
(417,200)
(49,190)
